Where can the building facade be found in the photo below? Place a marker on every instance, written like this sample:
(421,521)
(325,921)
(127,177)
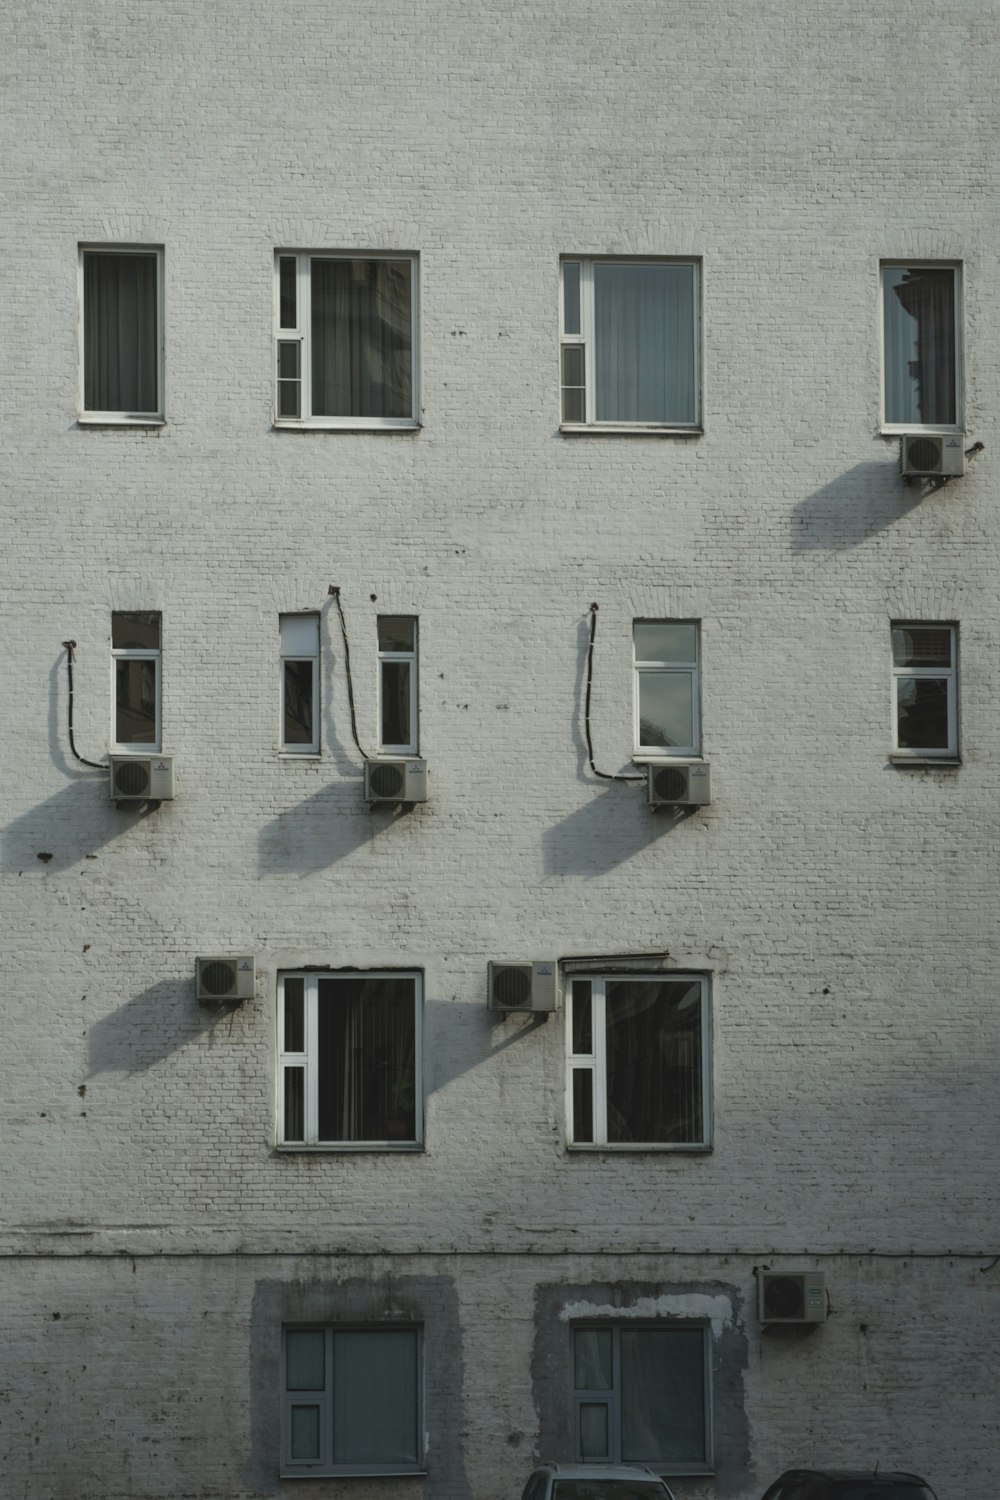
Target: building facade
(526,388)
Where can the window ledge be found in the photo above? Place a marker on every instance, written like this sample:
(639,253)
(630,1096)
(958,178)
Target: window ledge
(922,762)
(111,419)
(369,1473)
(294,755)
(627,429)
(911,429)
(284,425)
(350,1148)
(682,758)
(584,1148)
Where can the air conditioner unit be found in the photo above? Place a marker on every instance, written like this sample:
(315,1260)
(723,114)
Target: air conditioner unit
(396,780)
(680,784)
(792,1297)
(530,986)
(142,778)
(222,979)
(924,455)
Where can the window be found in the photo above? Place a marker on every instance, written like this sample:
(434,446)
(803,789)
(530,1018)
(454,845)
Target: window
(642,1395)
(638,1061)
(925,690)
(135,663)
(667,718)
(350,1065)
(397,684)
(921,347)
(630,344)
(345,340)
(121,298)
(299,683)
(351,1401)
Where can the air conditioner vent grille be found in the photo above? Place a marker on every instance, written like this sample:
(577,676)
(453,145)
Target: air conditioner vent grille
(512,986)
(670,783)
(218,977)
(925,453)
(387,780)
(132,778)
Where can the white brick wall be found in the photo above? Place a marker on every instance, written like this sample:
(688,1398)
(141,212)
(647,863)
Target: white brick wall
(846,909)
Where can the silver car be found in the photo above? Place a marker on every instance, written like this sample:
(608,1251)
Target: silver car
(595,1482)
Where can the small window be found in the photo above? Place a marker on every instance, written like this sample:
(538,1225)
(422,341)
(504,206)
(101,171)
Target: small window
(631,344)
(121,297)
(135,662)
(351,1401)
(667,716)
(642,1394)
(345,340)
(925,690)
(638,1056)
(299,692)
(350,1069)
(397,684)
(921,347)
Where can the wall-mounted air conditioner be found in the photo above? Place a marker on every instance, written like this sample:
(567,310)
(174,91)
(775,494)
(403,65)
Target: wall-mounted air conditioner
(224,979)
(524,986)
(142,778)
(930,455)
(680,784)
(396,780)
(793,1298)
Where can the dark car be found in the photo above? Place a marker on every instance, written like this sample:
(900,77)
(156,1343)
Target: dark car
(849,1484)
(595,1482)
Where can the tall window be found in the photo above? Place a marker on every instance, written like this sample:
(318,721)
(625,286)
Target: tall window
(922,347)
(299,635)
(350,1069)
(135,662)
(121,295)
(345,340)
(925,689)
(351,1400)
(666,659)
(643,1395)
(631,343)
(397,684)
(638,1056)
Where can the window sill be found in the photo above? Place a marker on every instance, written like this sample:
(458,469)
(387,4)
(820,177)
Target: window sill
(112,419)
(626,429)
(909,429)
(682,758)
(362,1473)
(299,755)
(360,425)
(350,1148)
(669,1148)
(922,762)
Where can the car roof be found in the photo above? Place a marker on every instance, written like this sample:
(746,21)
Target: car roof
(858,1476)
(600,1471)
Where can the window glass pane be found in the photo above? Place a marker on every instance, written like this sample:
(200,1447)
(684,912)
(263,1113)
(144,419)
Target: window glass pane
(593,1430)
(666,641)
(653,1048)
(921,645)
(644,342)
(135,702)
(397,632)
(299,635)
(135,630)
(288,359)
(305,1433)
(289,398)
(583,1028)
(922,713)
(367,1059)
(295,1110)
(295,1024)
(572,364)
(571,296)
(583,1105)
(361,338)
(120,365)
(663,1396)
(395,727)
(375,1397)
(298,726)
(920,345)
(305,1368)
(666,709)
(573,407)
(592,1358)
(286,292)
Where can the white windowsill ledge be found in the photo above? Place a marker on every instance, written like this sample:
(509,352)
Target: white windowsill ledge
(911,429)
(640,758)
(110,419)
(626,429)
(922,762)
(357,1473)
(350,1148)
(299,755)
(668,1148)
(287,425)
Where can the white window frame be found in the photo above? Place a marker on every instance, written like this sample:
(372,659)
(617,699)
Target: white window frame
(412,745)
(955,266)
(946,674)
(137,654)
(291,1468)
(301,335)
(612,1399)
(595,1063)
(121,418)
(308,1060)
(286,747)
(653,667)
(585,339)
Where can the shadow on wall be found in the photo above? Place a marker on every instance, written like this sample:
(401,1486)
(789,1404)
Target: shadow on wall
(857,505)
(319,831)
(149,1028)
(74,822)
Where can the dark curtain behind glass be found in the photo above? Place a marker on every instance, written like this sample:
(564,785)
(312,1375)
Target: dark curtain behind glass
(367,1059)
(361,339)
(920,345)
(119,333)
(654,1061)
(663,1396)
